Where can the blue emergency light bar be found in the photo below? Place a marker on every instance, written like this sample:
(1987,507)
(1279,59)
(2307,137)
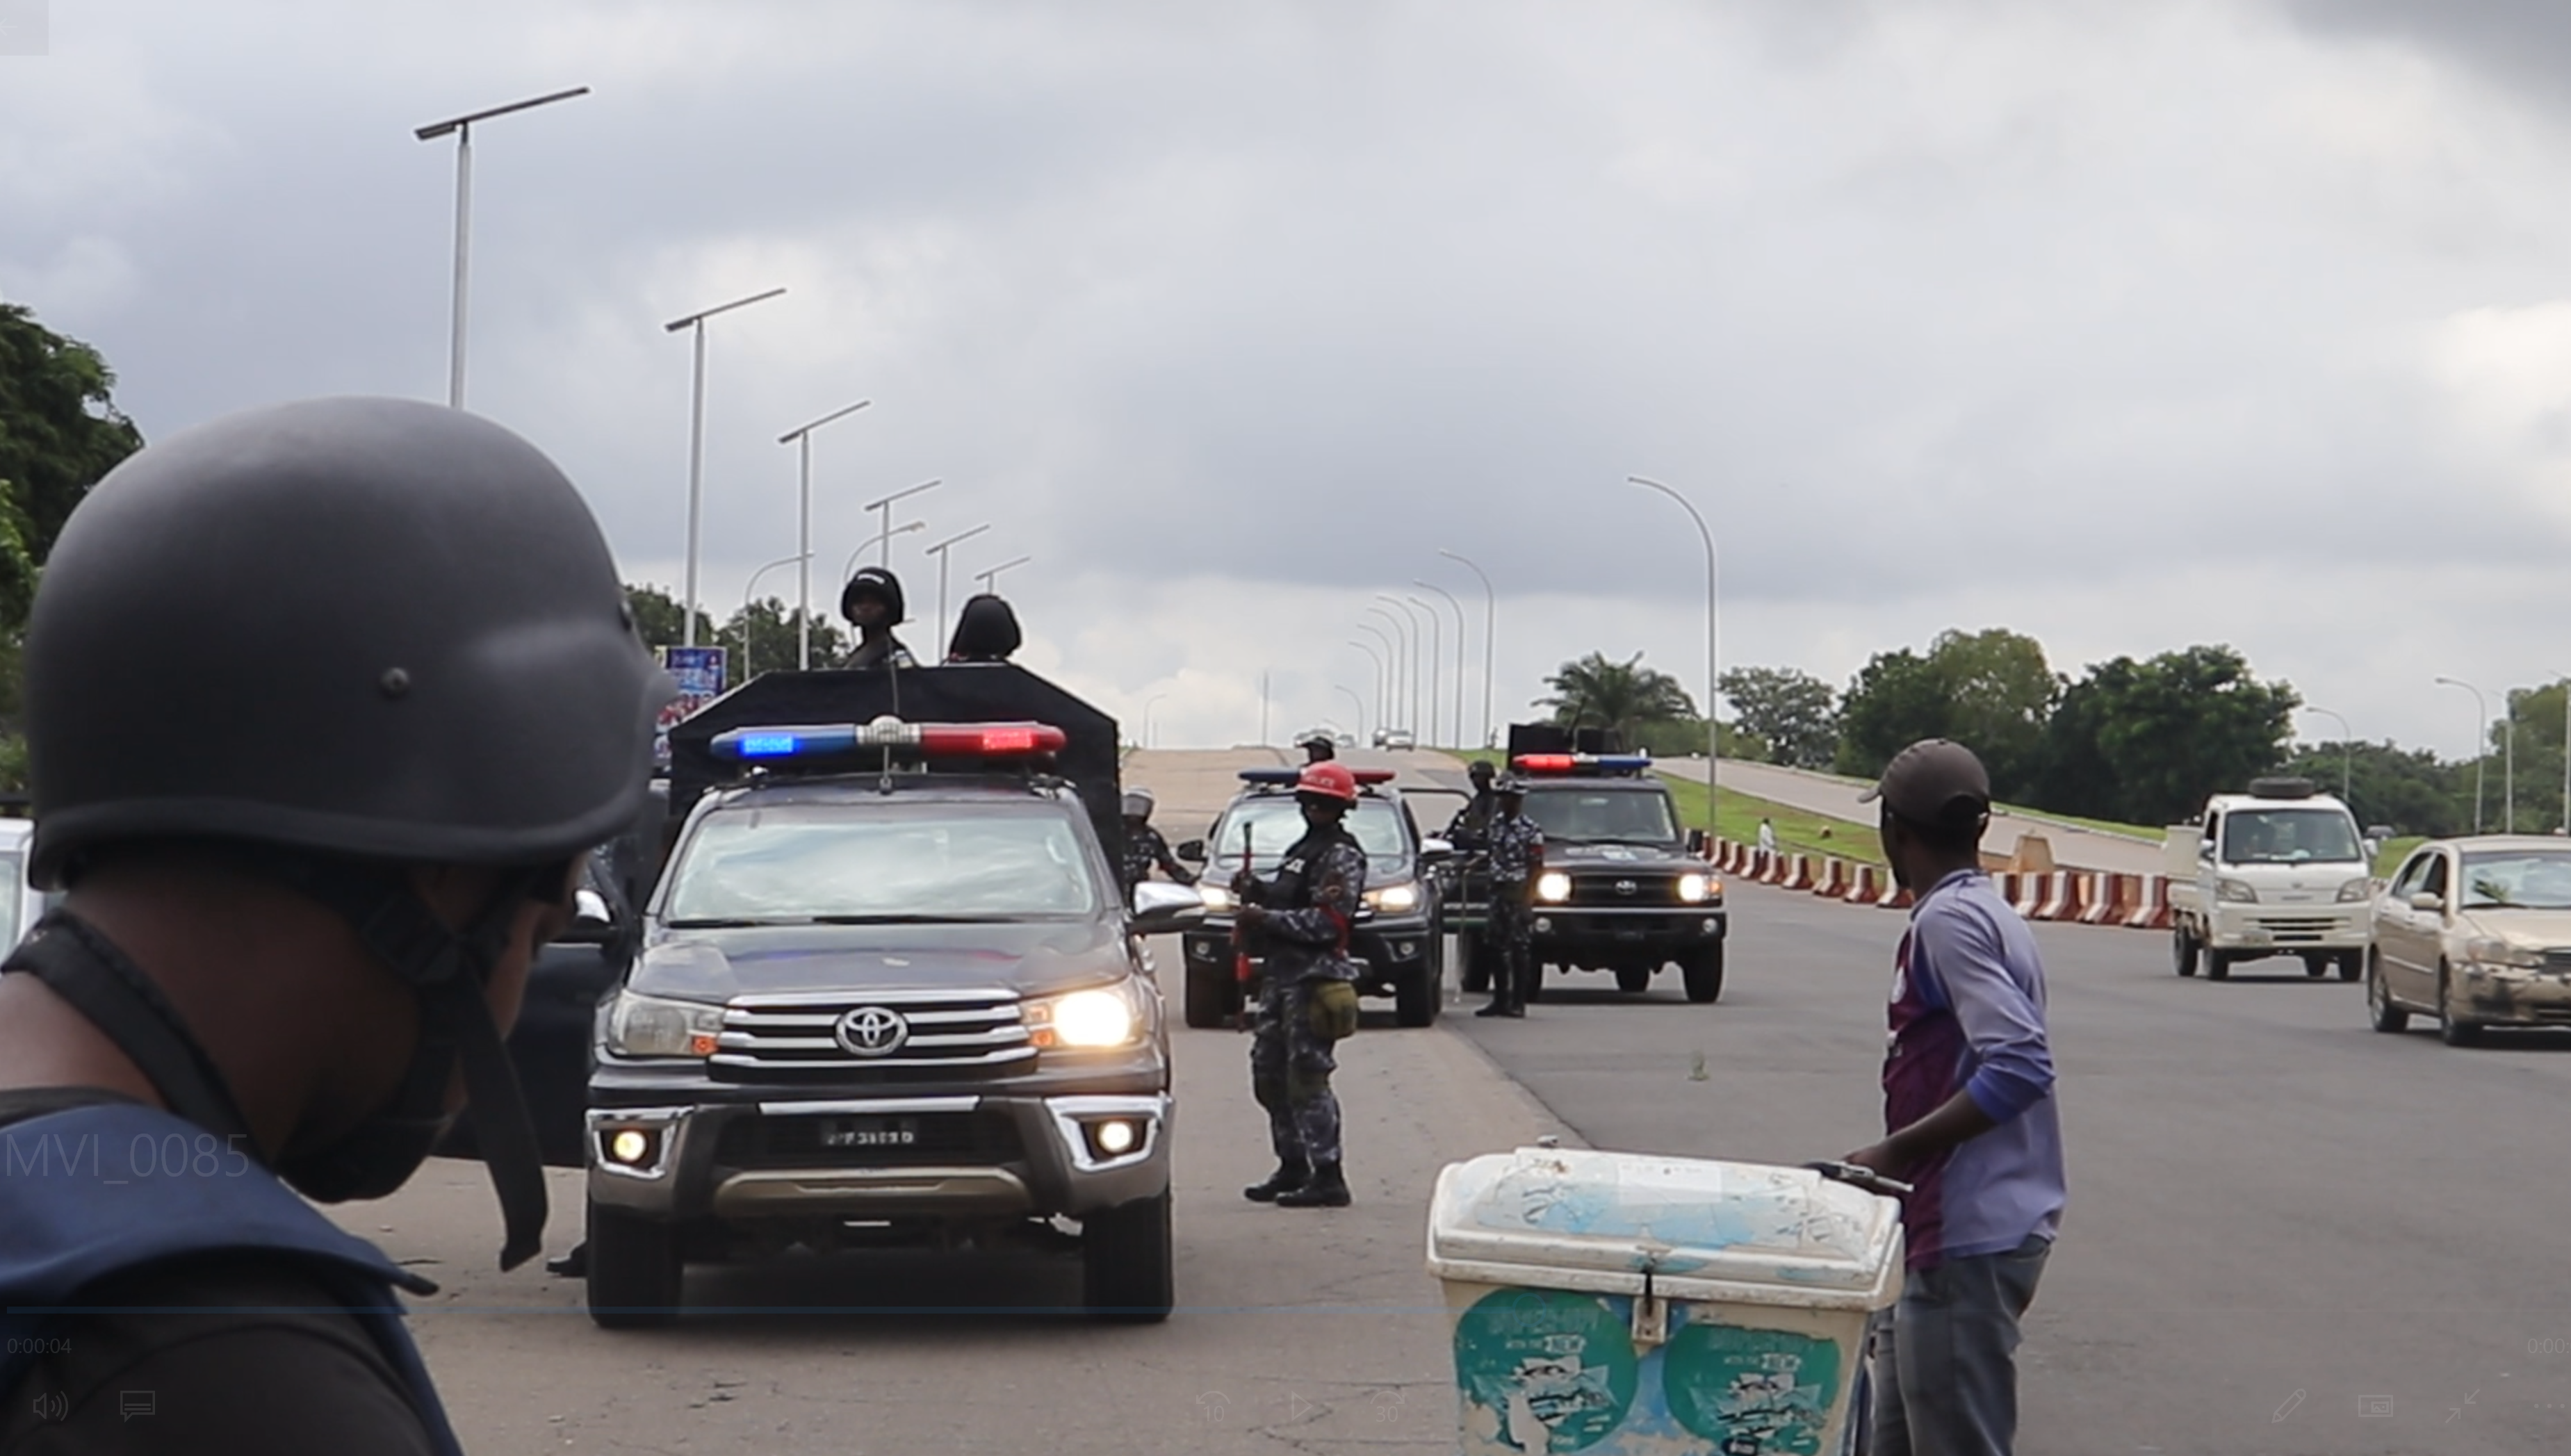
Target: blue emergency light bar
(788,742)
(1291,776)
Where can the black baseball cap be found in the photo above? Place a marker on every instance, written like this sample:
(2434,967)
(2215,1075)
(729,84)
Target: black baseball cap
(1935,782)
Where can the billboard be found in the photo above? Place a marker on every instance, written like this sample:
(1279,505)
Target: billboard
(699,674)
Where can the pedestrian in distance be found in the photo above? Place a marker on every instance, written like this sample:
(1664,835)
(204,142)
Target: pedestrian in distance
(871,600)
(986,631)
(300,908)
(1514,846)
(1766,835)
(1144,846)
(1307,998)
(1319,748)
(1971,1120)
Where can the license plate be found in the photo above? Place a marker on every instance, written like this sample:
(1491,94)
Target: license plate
(870,1132)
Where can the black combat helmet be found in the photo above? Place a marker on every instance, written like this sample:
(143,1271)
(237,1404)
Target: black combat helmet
(874,581)
(342,636)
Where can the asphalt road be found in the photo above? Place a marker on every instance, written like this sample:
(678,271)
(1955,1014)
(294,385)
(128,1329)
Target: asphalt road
(2266,1197)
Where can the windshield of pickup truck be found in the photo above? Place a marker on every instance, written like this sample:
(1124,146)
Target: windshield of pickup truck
(1569,812)
(1276,822)
(802,864)
(2290,836)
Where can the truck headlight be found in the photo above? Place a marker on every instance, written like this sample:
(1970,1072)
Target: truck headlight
(1696,890)
(2356,891)
(1096,1019)
(648,1026)
(2238,892)
(1393,899)
(1553,887)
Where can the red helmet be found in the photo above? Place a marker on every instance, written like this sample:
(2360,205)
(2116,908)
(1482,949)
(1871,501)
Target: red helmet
(1330,779)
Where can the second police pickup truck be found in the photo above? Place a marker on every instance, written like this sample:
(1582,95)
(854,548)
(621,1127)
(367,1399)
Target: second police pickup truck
(888,993)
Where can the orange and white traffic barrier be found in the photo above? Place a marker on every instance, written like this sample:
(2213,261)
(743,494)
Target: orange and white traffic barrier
(1766,867)
(2109,901)
(1799,876)
(1896,896)
(2153,912)
(2025,892)
(1833,878)
(1868,885)
(2061,896)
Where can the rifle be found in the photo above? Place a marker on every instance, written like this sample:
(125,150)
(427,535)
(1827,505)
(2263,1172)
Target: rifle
(1241,969)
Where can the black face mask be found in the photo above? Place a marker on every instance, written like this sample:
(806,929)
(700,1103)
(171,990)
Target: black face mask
(380,1154)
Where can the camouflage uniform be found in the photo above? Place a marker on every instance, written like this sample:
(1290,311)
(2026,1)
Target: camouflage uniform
(1144,848)
(1312,901)
(1515,848)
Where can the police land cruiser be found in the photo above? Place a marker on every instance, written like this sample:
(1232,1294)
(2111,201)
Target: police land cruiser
(1623,888)
(1398,936)
(888,993)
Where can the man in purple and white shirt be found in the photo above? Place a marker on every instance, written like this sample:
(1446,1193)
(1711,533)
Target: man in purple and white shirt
(1970,1122)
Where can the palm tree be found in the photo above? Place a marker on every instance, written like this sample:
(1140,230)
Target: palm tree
(1621,696)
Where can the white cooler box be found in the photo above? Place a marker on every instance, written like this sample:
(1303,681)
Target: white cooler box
(1614,1303)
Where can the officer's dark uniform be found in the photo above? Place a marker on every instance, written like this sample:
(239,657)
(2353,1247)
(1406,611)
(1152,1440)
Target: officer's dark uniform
(1144,848)
(1515,848)
(1312,901)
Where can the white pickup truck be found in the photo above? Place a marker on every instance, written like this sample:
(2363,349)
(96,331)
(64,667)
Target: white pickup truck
(2279,870)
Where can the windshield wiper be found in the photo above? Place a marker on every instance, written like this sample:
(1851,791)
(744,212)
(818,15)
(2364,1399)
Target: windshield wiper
(902,919)
(714,922)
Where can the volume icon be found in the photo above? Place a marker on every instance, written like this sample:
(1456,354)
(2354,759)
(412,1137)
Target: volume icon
(52,1405)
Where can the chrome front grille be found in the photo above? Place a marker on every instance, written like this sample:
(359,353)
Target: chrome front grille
(1605,890)
(2289,930)
(962,1030)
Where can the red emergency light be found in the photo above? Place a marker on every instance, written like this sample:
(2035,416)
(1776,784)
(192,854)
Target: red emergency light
(1573,763)
(794,743)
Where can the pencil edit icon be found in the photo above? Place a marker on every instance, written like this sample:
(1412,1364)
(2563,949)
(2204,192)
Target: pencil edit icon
(2294,1402)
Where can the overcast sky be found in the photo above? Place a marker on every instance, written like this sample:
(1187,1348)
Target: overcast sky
(2123,325)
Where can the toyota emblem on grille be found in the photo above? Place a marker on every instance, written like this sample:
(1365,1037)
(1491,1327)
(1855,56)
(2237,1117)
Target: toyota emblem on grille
(871,1030)
(1626,888)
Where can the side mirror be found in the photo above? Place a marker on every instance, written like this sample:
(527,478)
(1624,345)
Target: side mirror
(591,921)
(1160,907)
(1696,843)
(2424,900)
(1431,851)
(2373,848)
(1191,852)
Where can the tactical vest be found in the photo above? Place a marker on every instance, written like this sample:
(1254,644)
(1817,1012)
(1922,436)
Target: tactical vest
(99,1189)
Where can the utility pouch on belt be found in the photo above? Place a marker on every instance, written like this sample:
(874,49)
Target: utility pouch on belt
(1334,1010)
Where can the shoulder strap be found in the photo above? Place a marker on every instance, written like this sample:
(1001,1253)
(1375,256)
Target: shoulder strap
(102,984)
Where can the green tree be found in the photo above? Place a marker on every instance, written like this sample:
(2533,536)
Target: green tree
(1683,737)
(2409,789)
(774,644)
(659,619)
(2147,741)
(1989,691)
(1623,696)
(1792,714)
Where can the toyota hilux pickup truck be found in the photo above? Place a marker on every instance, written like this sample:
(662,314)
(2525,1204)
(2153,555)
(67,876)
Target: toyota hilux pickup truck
(889,993)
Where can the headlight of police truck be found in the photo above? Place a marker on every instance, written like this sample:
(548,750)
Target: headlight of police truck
(1393,899)
(646,1026)
(2238,892)
(1096,1019)
(1553,887)
(1217,897)
(1696,890)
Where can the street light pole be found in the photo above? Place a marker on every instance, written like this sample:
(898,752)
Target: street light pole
(1423,721)
(1148,704)
(1361,707)
(1394,612)
(991,580)
(697,439)
(2347,750)
(888,533)
(462,126)
(2481,742)
(1436,649)
(801,438)
(1712,677)
(1490,639)
(940,550)
(1403,657)
(848,568)
(1459,653)
(752,589)
(1380,722)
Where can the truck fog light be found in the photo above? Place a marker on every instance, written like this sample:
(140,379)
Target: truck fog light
(633,1146)
(1115,1138)
(1544,925)
(1404,950)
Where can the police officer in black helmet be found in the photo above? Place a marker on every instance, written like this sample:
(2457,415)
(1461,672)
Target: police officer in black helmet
(872,602)
(301,905)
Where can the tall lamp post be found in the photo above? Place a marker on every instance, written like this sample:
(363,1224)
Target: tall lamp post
(1359,704)
(2481,742)
(1148,704)
(1391,704)
(751,591)
(1423,721)
(1459,653)
(462,126)
(991,580)
(1490,638)
(801,438)
(888,533)
(1405,665)
(2566,753)
(696,438)
(1436,650)
(1713,677)
(880,538)
(940,550)
(1377,658)
(2347,748)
